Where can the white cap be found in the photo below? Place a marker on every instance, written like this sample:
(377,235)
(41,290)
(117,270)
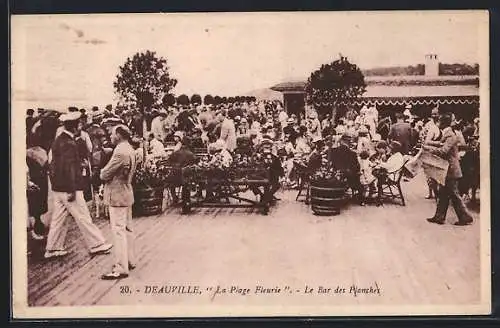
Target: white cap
(71,116)
(178,134)
(408,106)
(316,139)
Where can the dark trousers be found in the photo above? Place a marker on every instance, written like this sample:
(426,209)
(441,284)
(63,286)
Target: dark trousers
(355,184)
(449,192)
(268,193)
(185,194)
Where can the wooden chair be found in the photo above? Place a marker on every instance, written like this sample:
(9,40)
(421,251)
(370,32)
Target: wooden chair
(391,186)
(200,153)
(304,179)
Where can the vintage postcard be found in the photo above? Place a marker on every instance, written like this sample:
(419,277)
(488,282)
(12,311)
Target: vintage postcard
(250,164)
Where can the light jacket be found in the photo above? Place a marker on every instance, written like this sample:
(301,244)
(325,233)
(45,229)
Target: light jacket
(118,174)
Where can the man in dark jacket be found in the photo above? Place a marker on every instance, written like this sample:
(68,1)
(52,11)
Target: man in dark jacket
(346,160)
(401,132)
(447,148)
(276,170)
(180,159)
(67,186)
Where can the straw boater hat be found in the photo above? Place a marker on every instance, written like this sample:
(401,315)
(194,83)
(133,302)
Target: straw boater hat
(178,134)
(290,121)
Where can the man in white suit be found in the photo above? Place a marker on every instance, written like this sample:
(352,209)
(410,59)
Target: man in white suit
(228,132)
(118,194)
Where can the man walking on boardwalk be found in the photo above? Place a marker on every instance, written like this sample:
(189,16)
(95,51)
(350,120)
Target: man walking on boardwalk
(67,186)
(447,148)
(119,196)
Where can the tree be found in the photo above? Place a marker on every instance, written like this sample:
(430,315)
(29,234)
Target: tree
(144,80)
(208,100)
(230,100)
(217,100)
(224,100)
(183,100)
(196,99)
(168,100)
(334,86)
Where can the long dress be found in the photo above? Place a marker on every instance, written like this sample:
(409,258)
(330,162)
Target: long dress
(37,200)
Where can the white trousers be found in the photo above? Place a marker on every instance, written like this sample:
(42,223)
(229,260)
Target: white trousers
(123,235)
(59,224)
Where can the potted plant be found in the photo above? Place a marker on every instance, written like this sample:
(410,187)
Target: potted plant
(327,189)
(149,183)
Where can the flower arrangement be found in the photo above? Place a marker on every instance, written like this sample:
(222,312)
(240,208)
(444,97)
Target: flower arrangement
(328,175)
(242,166)
(152,173)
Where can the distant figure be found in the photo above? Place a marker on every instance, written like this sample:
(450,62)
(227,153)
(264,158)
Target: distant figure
(179,159)
(156,147)
(30,120)
(401,132)
(346,160)
(228,132)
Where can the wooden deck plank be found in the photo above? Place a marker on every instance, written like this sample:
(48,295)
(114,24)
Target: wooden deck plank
(414,262)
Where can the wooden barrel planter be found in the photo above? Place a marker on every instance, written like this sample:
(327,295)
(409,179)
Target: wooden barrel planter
(327,199)
(148,201)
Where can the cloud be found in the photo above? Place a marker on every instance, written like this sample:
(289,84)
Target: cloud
(79,33)
(93,41)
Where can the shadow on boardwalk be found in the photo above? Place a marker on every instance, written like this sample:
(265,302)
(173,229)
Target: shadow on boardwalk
(416,262)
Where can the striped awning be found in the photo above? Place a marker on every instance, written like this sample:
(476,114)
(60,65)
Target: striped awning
(460,100)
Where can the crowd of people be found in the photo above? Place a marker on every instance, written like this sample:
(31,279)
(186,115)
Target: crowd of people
(365,146)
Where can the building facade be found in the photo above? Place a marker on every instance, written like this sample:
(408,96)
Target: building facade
(457,94)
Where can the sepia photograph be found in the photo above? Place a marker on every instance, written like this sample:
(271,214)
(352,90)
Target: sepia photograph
(250,164)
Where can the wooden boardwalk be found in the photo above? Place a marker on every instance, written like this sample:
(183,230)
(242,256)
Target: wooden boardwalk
(412,261)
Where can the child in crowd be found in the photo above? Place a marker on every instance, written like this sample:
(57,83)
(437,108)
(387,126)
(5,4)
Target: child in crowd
(367,179)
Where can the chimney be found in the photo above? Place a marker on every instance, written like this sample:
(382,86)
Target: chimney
(431,65)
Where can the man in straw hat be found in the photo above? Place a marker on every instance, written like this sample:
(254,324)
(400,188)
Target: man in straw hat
(447,148)
(118,195)
(67,187)
(158,125)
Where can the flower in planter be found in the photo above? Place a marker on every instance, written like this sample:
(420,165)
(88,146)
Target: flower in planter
(152,173)
(327,174)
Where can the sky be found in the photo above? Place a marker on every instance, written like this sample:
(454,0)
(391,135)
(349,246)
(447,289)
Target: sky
(73,59)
